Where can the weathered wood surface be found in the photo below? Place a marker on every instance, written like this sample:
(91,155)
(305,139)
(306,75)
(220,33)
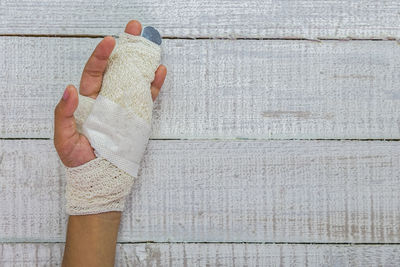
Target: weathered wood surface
(223,89)
(219,191)
(194,254)
(207,18)
(223,191)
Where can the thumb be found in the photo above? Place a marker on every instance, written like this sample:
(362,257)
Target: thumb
(65,133)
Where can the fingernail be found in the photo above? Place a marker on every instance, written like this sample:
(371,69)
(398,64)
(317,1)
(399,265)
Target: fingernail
(66,94)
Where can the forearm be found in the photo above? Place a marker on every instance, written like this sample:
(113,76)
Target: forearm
(91,239)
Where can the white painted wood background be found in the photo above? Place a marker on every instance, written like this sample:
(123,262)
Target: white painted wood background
(224,89)
(322,76)
(197,254)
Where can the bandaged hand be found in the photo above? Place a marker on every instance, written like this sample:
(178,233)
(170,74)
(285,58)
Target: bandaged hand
(103,144)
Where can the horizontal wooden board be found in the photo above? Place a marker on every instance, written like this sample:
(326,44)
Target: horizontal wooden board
(207,18)
(222,191)
(223,89)
(195,254)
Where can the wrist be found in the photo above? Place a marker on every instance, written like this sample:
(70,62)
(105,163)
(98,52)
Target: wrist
(97,186)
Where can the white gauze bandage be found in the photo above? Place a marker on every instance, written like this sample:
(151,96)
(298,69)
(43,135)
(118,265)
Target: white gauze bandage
(117,124)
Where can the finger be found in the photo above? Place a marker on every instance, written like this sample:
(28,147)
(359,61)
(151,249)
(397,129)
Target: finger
(159,79)
(92,75)
(93,72)
(133,27)
(65,133)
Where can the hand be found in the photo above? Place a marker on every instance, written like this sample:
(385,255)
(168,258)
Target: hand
(72,147)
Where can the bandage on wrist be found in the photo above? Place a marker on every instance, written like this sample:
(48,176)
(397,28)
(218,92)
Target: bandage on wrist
(96,186)
(117,125)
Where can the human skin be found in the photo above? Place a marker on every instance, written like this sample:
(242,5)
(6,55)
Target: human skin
(91,239)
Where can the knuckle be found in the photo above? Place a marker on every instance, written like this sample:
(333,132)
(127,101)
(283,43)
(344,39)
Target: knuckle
(94,73)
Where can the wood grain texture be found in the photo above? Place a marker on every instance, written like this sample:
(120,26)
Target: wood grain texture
(222,191)
(194,254)
(207,18)
(223,89)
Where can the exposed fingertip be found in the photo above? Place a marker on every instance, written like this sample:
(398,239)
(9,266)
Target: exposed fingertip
(66,94)
(70,87)
(133,27)
(159,77)
(73,90)
(163,68)
(105,47)
(109,39)
(71,99)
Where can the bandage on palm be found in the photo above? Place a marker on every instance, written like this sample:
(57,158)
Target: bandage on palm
(117,124)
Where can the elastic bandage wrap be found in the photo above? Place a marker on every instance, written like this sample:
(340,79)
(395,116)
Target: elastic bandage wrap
(117,124)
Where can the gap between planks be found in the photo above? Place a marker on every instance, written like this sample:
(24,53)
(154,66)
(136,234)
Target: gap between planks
(208,38)
(220,243)
(228,139)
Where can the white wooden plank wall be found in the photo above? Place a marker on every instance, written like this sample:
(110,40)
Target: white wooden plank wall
(224,89)
(295,72)
(207,18)
(223,191)
(173,254)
